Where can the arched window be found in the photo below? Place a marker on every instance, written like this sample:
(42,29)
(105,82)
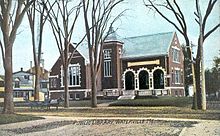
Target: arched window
(143,80)
(158,79)
(129,81)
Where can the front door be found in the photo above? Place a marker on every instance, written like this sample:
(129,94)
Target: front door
(129,81)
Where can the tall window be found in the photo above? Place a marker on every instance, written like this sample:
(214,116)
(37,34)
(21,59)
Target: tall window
(107,63)
(176,55)
(74,75)
(177,76)
(53,82)
(107,53)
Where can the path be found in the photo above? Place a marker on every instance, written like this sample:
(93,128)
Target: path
(65,126)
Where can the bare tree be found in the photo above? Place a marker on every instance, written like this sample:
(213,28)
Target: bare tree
(62,20)
(37,14)
(181,26)
(202,21)
(10,20)
(97,15)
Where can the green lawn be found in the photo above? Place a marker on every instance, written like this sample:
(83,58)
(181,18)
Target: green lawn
(86,103)
(12,118)
(125,111)
(154,102)
(161,107)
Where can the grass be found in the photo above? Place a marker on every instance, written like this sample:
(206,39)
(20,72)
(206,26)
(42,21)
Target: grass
(86,103)
(13,118)
(162,107)
(140,112)
(160,101)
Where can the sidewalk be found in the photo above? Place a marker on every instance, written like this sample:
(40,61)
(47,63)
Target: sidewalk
(203,128)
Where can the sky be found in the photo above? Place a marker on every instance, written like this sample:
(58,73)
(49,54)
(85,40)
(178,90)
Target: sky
(136,21)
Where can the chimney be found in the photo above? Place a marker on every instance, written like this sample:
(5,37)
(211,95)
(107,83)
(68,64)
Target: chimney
(30,66)
(42,62)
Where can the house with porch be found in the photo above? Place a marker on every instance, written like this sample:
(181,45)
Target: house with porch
(134,66)
(23,85)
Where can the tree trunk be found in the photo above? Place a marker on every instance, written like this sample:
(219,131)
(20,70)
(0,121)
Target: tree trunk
(198,85)
(93,81)
(8,98)
(94,90)
(66,85)
(195,105)
(37,83)
(203,89)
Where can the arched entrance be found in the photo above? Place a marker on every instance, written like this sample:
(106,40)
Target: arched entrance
(129,80)
(158,79)
(143,80)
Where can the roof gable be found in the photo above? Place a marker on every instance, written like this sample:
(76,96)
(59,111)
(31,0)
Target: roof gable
(83,51)
(147,45)
(22,73)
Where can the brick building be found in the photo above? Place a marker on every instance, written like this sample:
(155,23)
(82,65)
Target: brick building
(142,65)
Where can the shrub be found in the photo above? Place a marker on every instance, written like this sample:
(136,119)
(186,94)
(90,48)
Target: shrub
(160,101)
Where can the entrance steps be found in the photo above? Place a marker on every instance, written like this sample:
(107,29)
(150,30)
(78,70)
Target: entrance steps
(126,97)
(128,94)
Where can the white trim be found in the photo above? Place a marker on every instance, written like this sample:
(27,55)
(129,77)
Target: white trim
(174,47)
(77,90)
(61,73)
(111,89)
(73,86)
(164,75)
(108,54)
(175,76)
(56,76)
(175,59)
(138,72)
(107,62)
(161,68)
(173,87)
(177,68)
(107,73)
(123,77)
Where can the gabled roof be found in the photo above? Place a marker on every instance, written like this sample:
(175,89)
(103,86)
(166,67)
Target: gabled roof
(22,73)
(137,47)
(84,51)
(147,45)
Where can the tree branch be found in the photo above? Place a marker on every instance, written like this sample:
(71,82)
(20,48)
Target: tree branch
(211,31)
(162,15)
(207,13)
